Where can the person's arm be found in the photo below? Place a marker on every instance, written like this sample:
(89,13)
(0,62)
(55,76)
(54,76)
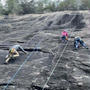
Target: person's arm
(67,34)
(16,54)
(22,50)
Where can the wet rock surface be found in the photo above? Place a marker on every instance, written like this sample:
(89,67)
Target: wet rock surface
(43,32)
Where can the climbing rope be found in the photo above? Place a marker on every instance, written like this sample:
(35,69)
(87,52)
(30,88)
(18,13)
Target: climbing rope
(57,61)
(9,81)
(55,66)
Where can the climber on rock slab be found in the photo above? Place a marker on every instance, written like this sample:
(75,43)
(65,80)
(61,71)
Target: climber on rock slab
(64,36)
(13,52)
(78,41)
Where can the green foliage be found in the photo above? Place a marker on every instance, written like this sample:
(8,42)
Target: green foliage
(13,6)
(50,7)
(85,5)
(68,5)
(41,6)
(45,6)
(1,8)
(27,7)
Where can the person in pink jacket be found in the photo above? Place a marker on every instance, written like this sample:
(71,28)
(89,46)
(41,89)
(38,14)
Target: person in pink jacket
(64,36)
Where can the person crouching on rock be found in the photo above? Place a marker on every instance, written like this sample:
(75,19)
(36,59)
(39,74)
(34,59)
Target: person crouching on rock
(64,36)
(78,41)
(13,52)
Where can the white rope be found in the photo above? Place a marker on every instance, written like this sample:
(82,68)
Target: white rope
(56,62)
(55,66)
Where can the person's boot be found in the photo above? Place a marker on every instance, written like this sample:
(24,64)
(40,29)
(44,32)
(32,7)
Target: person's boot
(76,48)
(5,63)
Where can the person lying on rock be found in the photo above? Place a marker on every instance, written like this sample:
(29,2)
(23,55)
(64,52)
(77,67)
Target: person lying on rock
(64,36)
(13,52)
(78,41)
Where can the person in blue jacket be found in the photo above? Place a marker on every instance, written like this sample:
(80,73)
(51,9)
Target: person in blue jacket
(78,41)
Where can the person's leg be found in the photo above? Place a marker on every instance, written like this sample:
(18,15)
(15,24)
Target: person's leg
(66,39)
(63,38)
(83,44)
(8,58)
(76,44)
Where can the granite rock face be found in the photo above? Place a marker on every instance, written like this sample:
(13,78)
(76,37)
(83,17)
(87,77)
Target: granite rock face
(43,32)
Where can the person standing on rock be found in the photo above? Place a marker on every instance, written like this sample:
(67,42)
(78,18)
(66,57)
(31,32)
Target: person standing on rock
(13,52)
(64,36)
(78,41)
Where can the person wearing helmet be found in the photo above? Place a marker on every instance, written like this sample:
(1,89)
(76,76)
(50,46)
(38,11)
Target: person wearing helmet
(78,41)
(13,52)
(64,36)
